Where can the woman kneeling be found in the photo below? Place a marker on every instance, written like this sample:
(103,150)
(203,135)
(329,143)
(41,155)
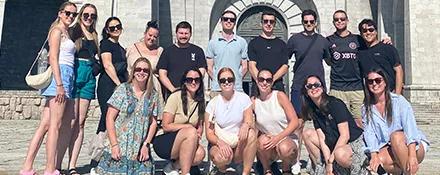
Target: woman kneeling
(230,126)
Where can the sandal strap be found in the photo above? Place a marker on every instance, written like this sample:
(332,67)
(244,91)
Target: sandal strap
(268,171)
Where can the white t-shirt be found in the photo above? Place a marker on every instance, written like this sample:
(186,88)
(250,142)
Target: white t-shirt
(229,114)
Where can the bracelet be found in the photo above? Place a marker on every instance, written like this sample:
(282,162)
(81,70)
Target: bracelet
(59,84)
(147,144)
(116,144)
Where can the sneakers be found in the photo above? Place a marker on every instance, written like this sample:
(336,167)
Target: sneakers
(296,169)
(169,169)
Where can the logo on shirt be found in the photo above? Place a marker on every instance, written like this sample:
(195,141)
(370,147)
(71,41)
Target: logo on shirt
(334,45)
(336,55)
(193,56)
(352,45)
(377,54)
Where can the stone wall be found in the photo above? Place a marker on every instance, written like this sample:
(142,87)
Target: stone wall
(25,105)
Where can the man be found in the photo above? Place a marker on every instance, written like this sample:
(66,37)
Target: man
(178,58)
(227,50)
(268,52)
(345,76)
(380,55)
(310,49)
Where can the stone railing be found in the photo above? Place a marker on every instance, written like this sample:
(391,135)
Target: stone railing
(22,104)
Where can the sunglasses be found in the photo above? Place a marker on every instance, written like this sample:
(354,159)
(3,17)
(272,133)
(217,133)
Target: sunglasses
(138,69)
(114,28)
(91,15)
(225,19)
(268,21)
(375,80)
(268,80)
(369,30)
(308,21)
(313,86)
(68,13)
(226,80)
(339,19)
(190,80)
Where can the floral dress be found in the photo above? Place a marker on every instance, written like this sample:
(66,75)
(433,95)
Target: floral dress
(132,125)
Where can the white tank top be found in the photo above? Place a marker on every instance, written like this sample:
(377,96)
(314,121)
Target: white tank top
(270,116)
(67,51)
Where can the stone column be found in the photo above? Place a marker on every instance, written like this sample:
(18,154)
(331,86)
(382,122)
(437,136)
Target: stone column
(2,14)
(422,71)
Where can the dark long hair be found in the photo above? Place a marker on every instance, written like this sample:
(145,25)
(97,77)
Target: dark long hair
(370,99)
(104,33)
(308,108)
(259,72)
(199,96)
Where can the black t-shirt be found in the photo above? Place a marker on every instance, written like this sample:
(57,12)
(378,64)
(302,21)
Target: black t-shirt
(345,73)
(338,113)
(118,58)
(88,49)
(177,60)
(382,56)
(269,54)
(312,63)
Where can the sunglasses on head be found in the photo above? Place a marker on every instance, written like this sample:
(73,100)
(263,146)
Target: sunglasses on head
(268,80)
(138,69)
(190,80)
(268,21)
(68,13)
(308,21)
(226,80)
(91,15)
(313,86)
(339,19)
(225,19)
(114,28)
(374,80)
(364,30)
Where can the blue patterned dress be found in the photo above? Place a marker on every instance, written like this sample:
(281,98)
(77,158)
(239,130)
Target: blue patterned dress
(132,125)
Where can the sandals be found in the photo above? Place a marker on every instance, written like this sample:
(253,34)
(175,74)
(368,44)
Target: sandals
(30,172)
(73,171)
(56,172)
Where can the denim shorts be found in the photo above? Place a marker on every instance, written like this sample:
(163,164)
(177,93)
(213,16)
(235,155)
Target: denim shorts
(85,82)
(67,77)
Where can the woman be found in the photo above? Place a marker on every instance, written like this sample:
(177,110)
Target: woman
(230,126)
(86,41)
(391,134)
(148,48)
(276,120)
(336,134)
(58,93)
(131,124)
(115,66)
(183,125)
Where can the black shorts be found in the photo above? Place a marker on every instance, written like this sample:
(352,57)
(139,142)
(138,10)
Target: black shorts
(163,144)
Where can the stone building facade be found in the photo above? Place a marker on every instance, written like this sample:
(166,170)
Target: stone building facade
(410,23)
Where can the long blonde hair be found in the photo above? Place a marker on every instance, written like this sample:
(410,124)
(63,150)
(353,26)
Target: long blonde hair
(149,82)
(57,21)
(76,33)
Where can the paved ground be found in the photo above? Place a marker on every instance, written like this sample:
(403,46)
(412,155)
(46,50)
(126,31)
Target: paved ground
(15,136)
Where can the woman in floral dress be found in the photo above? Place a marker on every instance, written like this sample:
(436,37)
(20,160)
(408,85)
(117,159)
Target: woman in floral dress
(131,124)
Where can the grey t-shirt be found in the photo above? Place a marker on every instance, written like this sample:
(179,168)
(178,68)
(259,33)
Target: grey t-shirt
(312,63)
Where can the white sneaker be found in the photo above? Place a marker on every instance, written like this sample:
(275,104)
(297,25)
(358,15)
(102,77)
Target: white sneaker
(169,169)
(296,169)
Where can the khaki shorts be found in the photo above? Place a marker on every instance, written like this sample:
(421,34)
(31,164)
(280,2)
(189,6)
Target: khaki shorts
(353,100)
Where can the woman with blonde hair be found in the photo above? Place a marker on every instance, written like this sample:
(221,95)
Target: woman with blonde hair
(61,59)
(131,124)
(83,32)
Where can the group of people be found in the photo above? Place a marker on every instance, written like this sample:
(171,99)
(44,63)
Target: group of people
(363,124)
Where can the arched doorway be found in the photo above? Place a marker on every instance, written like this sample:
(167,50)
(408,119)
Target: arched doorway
(249,27)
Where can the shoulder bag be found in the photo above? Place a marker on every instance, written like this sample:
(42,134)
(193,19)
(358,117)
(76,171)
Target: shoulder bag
(299,61)
(41,80)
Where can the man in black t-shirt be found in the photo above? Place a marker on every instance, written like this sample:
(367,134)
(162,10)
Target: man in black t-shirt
(380,55)
(178,58)
(268,52)
(345,75)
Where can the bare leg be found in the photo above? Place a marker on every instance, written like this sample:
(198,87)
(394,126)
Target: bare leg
(298,132)
(287,151)
(184,148)
(37,139)
(343,156)
(67,123)
(200,155)
(81,108)
(389,162)
(247,152)
(265,156)
(311,141)
(219,161)
(56,115)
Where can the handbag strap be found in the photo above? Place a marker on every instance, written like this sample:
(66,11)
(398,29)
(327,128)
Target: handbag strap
(138,50)
(38,56)
(301,58)
(194,110)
